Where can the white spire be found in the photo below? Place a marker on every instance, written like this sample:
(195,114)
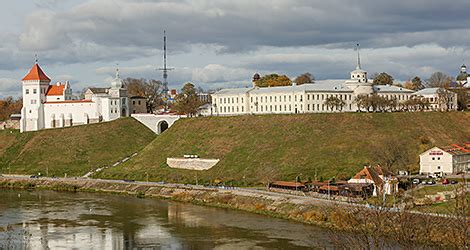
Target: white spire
(358,66)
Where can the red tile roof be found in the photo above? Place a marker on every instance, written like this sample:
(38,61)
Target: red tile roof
(370,174)
(36,73)
(56,89)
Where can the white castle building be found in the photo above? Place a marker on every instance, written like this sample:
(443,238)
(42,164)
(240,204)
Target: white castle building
(306,98)
(48,105)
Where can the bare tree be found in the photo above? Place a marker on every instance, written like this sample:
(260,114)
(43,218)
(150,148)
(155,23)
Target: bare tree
(439,80)
(151,90)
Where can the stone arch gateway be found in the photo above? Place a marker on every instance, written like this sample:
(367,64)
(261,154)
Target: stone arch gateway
(157,123)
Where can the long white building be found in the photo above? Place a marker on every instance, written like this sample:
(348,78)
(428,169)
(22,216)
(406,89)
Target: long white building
(306,98)
(48,105)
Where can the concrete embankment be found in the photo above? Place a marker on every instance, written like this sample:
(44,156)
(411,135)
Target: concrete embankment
(329,214)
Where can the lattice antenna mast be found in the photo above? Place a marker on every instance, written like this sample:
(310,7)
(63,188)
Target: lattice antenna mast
(165,69)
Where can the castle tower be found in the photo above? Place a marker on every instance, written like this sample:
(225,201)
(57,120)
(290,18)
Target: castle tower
(35,86)
(358,80)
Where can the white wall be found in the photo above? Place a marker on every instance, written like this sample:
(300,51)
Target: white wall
(80,112)
(435,160)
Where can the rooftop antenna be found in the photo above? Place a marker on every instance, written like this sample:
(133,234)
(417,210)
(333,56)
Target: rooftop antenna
(358,66)
(165,69)
(36,58)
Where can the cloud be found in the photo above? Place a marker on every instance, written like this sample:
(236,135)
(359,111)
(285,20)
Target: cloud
(223,42)
(9,87)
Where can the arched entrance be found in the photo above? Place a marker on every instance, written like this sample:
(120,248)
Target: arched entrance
(162,126)
(123,112)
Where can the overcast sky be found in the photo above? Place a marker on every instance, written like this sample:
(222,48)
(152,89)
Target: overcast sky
(222,43)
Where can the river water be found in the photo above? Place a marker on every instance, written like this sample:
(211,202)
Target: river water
(48,219)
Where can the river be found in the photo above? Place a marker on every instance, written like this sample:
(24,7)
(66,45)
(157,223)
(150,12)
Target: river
(55,220)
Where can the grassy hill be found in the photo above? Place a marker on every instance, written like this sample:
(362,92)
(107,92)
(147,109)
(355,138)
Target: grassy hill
(255,149)
(73,150)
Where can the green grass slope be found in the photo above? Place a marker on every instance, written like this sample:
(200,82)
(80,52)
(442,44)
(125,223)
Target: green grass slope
(255,149)
(73,150)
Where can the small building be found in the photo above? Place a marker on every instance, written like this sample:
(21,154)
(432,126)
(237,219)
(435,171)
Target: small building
(205,110)
(138,105)
(382,180)
(440,161)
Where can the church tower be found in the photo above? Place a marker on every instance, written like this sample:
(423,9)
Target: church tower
(358,81)
(35,86)
(118,90)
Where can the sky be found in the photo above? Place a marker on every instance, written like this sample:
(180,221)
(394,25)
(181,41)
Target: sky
(222,43)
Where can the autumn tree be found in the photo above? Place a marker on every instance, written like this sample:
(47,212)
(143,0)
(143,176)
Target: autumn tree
(414,84)
(151,90)
(9,106)
(439,80)
(187,102)
(333,102)
(382,79)
(273,80)
(304,78)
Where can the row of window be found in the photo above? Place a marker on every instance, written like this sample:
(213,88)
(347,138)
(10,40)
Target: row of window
(227,109)
(35,91)
(230,100)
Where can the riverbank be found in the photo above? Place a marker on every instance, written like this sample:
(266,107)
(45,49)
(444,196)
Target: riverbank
(404,228)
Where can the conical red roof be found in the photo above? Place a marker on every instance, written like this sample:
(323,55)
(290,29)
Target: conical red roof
(35,74)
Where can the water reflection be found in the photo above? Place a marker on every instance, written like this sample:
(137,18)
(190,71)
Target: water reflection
(47,219)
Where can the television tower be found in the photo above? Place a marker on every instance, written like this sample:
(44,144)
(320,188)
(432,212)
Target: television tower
(165,69)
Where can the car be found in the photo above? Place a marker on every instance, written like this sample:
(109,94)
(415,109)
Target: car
(431,182)
(34,177)
(416,181)
(445,181)
(453,182)
(128,180)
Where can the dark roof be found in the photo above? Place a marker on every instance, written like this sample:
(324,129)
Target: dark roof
(288,184)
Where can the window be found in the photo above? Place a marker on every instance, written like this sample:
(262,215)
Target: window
(438,158)
(433,159)
(133,102)
(438,167)
(34,91)
(27,91)
(139,102)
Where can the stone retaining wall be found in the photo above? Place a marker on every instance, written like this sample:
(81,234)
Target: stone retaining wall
(191,163)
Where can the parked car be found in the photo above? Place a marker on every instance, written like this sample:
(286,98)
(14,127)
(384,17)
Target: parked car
(34,177)
(453,182)
(445,181)
(416,181)
(431,182)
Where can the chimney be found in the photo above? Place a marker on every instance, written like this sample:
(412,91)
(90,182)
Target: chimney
(58,84)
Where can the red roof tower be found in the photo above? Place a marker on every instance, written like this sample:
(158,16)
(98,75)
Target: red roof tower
(36,74)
